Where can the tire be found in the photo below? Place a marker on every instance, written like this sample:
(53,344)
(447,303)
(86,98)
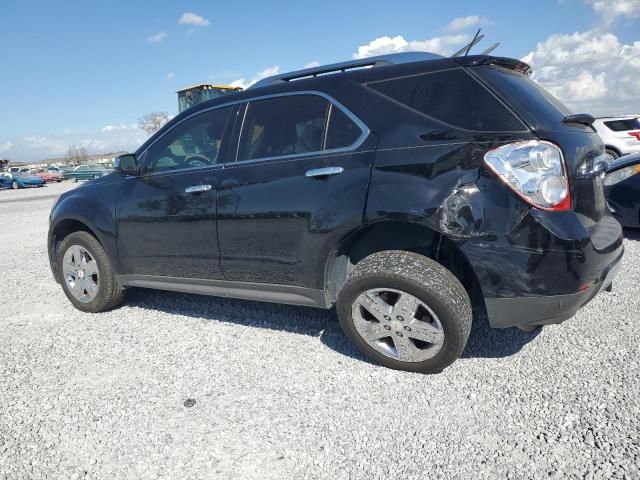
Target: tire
(108,293)
(613,153)
(15,185)
(75,179)
(443,304)
(95,177)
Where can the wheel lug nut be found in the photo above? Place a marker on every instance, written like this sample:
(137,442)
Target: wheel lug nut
(387,327)
(407,328)
(399,334)
(399,317)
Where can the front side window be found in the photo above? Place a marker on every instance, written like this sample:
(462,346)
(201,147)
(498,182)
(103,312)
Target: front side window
(453,97)
(288,125)
(196,142)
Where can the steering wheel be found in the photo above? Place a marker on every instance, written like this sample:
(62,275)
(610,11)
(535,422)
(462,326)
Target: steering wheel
(197,160)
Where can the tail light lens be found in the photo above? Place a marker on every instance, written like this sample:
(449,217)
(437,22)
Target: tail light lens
(635,134)
(535,170)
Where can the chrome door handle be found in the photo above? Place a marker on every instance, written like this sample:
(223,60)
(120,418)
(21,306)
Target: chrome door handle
(197,188)
(323,172)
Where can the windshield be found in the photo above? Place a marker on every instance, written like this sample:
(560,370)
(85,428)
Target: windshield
(537,107)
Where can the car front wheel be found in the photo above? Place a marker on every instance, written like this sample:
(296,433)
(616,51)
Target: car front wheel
(405,311)
(15,185)
(613,153)
(86,274)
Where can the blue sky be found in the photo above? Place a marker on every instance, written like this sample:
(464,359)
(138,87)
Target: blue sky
(79,72)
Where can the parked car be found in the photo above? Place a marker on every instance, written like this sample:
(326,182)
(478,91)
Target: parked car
(620,135)
(622,190)
(85,172)
(24,179)
(49,176)
(6,180)
(402,194)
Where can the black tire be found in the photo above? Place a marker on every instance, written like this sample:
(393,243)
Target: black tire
(422,278)
(75,179)
(613,153)
(110,294)
(15,185)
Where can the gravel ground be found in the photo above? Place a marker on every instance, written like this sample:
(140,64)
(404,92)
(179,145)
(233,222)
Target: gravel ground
(185,387)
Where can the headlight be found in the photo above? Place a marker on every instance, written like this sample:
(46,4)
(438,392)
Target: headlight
(621,174)
(535,170)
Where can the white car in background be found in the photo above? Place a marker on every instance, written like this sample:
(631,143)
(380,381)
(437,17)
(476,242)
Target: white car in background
(620,135)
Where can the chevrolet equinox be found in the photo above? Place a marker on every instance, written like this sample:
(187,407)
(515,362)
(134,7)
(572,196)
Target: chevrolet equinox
(403,190)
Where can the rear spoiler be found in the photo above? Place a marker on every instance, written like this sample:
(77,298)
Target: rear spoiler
(510,63)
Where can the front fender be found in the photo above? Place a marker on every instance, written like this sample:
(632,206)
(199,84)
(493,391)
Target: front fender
(90,208)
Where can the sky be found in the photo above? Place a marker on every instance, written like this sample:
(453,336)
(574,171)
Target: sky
(82,73)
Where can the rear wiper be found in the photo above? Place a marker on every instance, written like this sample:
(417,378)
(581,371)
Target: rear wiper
(581,118)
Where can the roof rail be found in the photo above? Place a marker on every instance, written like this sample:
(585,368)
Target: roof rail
(379,61)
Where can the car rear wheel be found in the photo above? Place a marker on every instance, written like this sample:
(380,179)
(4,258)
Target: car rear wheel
(75,179)
(95,176)
(86,274)
(405,311)
(15,185)
(613,153)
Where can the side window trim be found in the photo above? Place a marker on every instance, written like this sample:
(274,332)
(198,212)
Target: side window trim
(235,139)
(333,103)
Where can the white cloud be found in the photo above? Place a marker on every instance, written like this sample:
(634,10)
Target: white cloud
(462,23)
(158,38)
(312,64)
(384,45)
(36,140)
(609,10)
(171,76)
(5,147)
(590,71)
(193,19)
(267,72)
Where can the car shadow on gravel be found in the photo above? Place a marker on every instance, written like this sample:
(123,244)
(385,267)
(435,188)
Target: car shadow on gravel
(484,342)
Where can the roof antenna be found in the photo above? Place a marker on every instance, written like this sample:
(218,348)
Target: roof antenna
(491,49)
(467,47)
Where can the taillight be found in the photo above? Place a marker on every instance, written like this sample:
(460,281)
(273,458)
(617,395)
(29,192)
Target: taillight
(635,134)
(535,170)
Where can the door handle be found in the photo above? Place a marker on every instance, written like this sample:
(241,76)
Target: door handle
(323,172)
(197,188)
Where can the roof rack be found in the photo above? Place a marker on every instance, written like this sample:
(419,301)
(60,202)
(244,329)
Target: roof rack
(379,61)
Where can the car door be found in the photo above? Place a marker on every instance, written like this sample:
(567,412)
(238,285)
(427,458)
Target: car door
(287,199)
(166,216)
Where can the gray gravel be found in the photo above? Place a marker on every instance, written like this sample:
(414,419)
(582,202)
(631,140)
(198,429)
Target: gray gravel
(185,387)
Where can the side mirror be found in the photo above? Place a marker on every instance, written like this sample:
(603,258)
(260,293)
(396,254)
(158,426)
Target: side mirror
(127,164)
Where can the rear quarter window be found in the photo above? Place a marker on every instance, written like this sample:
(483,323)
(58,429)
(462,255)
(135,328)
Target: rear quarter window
(453,97)
(624,124)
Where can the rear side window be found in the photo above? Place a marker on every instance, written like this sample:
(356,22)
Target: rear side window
(280,126)
(342,131)
(624,125)
(453,97)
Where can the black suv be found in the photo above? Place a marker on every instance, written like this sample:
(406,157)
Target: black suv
(403,193)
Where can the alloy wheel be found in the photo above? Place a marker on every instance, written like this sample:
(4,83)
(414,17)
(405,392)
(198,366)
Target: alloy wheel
(80,273)
(398,325)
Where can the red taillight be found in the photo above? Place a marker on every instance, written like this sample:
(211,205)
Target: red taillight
(635,134)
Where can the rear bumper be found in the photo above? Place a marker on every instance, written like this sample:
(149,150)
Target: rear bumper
(509,312)
(544,271)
